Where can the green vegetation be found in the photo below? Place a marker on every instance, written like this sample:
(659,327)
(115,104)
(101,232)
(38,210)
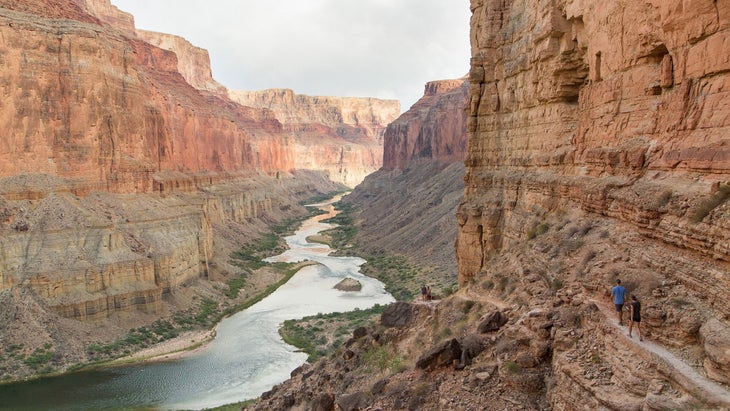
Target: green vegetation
(345,232)
(402,278)
(321,334)
(381,359)
(512,367)
(537,230)
(39,358)
(705,207)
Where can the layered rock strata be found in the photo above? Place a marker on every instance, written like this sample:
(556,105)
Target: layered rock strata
(192,62)
(127,176)
(89,257)
(343,135)
(613,111)
(432,129)
(407,207)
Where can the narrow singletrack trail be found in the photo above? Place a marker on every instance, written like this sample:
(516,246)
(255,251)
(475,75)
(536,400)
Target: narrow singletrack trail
(699,385)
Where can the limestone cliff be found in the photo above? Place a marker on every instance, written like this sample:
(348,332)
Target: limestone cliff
(122,186)
(343,135)
(110,15)
(84,103)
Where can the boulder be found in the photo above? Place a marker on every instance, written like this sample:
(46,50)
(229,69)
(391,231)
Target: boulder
(442,355)
(398,314)
(493,321)
(715,337)
(350,402)
(348,284)
(323,402)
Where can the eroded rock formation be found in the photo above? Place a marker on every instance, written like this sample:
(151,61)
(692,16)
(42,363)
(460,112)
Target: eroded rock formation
(433,128)
(127,176)
(343,135)
(613,113)
(192,62)
(408,205)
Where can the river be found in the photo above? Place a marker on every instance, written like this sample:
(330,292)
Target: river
(246,358)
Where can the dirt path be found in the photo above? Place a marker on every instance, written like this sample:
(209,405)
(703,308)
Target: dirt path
(700,386)
(483,298)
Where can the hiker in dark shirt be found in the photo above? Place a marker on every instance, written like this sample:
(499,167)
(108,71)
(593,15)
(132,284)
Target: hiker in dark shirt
(635,313)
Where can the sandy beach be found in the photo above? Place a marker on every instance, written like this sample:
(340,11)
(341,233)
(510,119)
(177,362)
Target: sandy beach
(186,344)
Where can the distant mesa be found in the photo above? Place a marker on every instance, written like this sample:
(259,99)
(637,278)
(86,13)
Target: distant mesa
(348,284)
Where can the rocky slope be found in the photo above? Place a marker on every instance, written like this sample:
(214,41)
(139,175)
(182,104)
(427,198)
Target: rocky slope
(407,207)
(343,135)
(597,150)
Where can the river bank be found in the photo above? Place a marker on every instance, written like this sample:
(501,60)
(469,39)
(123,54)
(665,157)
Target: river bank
(246,358)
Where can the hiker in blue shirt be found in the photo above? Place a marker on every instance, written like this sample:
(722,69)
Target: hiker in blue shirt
(619,293)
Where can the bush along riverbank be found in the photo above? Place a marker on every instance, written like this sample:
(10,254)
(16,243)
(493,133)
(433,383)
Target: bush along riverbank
(403,278)
(322,334)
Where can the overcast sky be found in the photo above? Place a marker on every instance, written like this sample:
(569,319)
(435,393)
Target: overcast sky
(362,48)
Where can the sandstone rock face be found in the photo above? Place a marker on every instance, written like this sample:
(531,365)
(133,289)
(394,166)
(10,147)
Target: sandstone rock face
(127,176)
(192,62)
(110,15)
(433,128)
(422,179)
(343,135)
(608,111)
(110,112)
(90,257)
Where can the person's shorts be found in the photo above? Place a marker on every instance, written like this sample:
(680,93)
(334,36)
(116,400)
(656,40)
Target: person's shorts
(636,320)
(619,307)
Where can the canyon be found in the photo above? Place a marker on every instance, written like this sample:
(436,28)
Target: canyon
(597,151)
(128,176)
(587,143)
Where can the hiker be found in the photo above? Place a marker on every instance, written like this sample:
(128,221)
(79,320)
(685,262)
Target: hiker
(619,293)
(429,297)
(635,310)
(423,293)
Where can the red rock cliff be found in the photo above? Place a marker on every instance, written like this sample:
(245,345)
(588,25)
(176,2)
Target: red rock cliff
(192,62)
(434,128)
(86,103)
(342,135)
(608,114)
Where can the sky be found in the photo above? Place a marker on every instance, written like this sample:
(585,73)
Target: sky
(354,48)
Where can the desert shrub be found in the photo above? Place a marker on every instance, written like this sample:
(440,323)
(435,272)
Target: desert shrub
(381,359)
(590,255)
(704,208)
(556,284)
(537,230)
(512,367)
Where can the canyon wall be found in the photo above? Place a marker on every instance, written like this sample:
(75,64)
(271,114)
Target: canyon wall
(192,62)
(83,102)
(612,115)
(407,207)
(342,135)
(433,128)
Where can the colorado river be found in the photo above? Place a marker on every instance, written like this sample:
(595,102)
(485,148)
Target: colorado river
(246,358)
